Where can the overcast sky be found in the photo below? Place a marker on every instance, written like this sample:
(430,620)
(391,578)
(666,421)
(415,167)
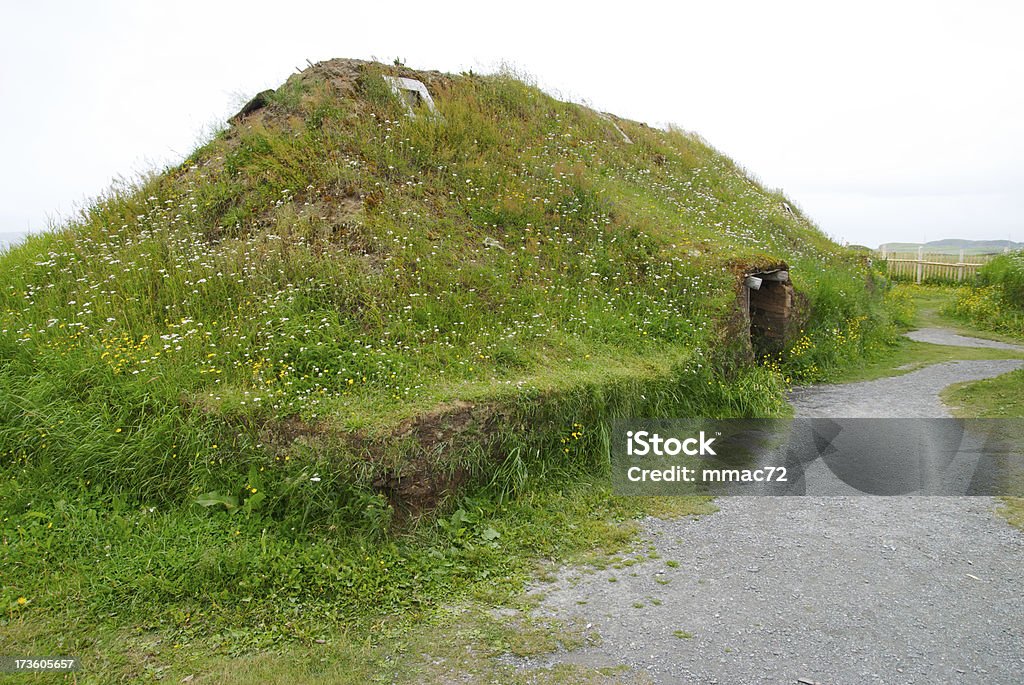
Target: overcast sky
(882,120)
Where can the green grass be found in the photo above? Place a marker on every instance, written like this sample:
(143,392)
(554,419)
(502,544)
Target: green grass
(988,308)
(473,639)
(132,600)
(934,306)
(929,303)
(996,301)
(1006,271)
(218,383)
(1013,511)
(994,398)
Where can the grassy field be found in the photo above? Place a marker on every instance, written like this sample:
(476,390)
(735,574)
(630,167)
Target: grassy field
(280,639)
(290,406)
(995,398)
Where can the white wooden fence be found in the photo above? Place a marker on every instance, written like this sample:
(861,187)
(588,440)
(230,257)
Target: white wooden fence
(920,267)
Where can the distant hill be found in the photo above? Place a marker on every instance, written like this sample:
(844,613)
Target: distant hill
(954,245)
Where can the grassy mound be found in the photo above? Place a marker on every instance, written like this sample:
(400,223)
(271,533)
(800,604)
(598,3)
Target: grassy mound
(334,313)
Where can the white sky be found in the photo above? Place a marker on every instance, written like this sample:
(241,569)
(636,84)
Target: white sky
(883,120)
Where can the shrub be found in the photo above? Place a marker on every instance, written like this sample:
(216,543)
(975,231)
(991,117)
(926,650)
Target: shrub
(1006,272)
(997,301)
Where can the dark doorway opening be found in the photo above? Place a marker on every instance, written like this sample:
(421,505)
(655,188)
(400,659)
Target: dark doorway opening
(769,306)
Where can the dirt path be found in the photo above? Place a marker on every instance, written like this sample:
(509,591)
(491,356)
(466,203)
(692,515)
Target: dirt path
(838,590)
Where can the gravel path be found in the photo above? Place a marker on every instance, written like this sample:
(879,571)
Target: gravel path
(912,395)
(944,336)
(838,590)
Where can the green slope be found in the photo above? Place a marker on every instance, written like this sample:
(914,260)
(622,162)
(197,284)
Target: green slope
(228,391)
(374,296)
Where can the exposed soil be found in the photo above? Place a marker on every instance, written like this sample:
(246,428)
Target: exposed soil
(423,481)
